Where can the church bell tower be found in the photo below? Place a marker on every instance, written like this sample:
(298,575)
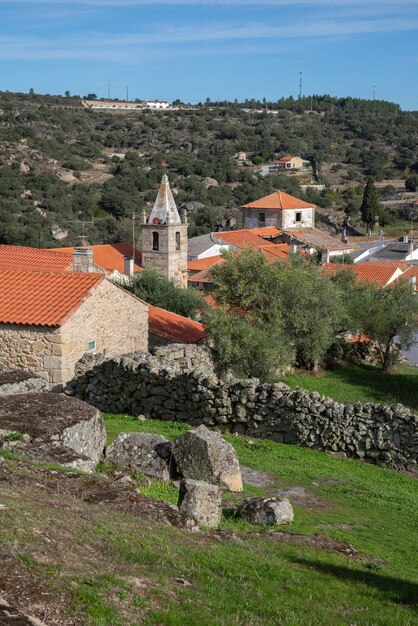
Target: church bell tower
(164,237)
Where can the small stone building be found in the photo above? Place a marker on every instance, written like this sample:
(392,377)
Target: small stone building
(49,320)
(279,209)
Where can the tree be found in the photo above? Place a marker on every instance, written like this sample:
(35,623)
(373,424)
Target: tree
(67,94)
(389,314)
(370,205)
(411,183)
(159,291)
(245,344)
(292,303)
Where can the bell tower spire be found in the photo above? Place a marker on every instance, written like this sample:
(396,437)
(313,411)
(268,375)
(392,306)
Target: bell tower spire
(164,237)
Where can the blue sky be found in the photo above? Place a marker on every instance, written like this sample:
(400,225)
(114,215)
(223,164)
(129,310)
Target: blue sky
(227,49)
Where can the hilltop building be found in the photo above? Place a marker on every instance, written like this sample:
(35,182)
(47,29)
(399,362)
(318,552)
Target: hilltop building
(289,162)
(164,237)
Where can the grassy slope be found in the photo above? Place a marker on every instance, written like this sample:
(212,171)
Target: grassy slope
(259,580)
(364,383)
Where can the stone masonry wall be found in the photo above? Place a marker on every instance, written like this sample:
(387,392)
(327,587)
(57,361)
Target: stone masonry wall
(162,387)
(113,318)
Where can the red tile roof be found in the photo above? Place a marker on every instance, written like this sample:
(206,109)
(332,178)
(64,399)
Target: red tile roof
(43,299)
(23,258)
(280,250)
(240,238)
(174,327)
(266,231)
(278,201)
(379,272)
(202,264)
(411,272)
(285,159)
(110,256)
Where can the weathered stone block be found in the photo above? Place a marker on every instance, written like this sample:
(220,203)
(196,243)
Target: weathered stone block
(200,502)
(202,454)
(267,511)
(150,454)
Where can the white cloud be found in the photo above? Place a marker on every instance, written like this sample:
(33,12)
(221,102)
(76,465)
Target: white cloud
(134,47)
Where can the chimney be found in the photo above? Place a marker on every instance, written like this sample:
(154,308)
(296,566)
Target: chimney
(413,282)
(410,246)
(324,256)
(83,260)
(128,265)
(293,248)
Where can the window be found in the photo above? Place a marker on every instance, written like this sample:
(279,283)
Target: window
(298,217)
(177,241)
(262,218)
(91,345)
(155,241)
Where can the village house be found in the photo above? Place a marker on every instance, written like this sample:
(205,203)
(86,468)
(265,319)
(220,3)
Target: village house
(289,162)
(405,250)
(156,104)
(50,319)
(294,220)
(381,273)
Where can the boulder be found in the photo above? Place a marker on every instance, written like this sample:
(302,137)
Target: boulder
(202,454)
(200,502)
(267,511)
(210,182)
(150,454)
(14,382)
(48,425)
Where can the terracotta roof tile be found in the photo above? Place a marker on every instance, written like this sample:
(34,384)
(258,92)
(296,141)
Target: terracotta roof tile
(266,231)
(43,299)
(240,238)
(316,238)
(202,264)
(278,201)
(174,327)
(379,272)
(110,256)
(23,258)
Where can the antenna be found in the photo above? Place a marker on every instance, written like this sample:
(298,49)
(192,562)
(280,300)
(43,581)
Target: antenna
(84,241)
(300,84)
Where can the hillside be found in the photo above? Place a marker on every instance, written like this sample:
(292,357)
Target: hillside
(62,164)
(73,553)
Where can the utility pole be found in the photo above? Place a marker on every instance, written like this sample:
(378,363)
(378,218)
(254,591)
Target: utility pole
(300,84)
(127,94)
(374,92)
(108,91)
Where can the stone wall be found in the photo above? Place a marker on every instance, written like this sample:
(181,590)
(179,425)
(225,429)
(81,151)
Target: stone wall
(162,386)
(111,317)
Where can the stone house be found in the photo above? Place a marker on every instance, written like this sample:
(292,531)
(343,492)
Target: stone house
(279,209)
(49,320)
(289,162)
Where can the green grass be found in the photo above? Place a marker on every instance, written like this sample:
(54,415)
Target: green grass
(258,581)
(121,570)
(360,382)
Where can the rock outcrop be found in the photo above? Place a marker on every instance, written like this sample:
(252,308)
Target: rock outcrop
(200,502)
(52,428)
(149,454)
(267,511)
(204,455)
(14,382)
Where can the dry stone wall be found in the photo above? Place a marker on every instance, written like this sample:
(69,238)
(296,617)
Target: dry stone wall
(180,383)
